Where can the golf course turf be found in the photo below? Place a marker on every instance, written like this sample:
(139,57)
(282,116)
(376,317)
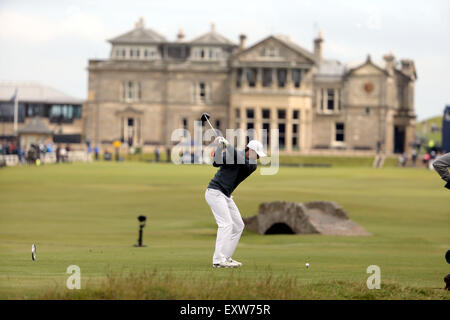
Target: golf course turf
(86,215)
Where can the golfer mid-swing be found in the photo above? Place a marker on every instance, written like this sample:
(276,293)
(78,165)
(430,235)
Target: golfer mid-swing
(234,167)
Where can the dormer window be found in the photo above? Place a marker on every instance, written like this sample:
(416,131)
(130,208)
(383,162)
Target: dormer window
(271,52)
(206,53)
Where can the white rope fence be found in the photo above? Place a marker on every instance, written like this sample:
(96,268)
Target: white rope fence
(49,157)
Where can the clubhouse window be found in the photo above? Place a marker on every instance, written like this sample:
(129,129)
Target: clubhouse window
(250,114)
(296,77)
(251,77)
(238,77)
(282,133)
(281,76)
(267,77)
(330,99)
(340,132)
(203,91)
(294,136)
(237,118)
(131,91)
(281,114)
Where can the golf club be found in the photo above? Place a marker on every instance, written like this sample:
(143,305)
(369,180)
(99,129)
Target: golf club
(205,117)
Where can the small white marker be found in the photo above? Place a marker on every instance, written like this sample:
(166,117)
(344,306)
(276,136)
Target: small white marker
(33,252)
(307,265)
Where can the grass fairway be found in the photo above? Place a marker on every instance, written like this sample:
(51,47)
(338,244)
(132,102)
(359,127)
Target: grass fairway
(85,215)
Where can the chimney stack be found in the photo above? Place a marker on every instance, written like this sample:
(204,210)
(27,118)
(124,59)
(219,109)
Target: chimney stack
(318,47)
(389,62)
(140,24)
(406,65)
(408,68)
(180,35)
(242,41)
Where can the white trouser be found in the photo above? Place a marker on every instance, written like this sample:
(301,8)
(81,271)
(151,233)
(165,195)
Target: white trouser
(229,222)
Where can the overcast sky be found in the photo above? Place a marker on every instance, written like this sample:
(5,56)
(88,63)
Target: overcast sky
(51,41)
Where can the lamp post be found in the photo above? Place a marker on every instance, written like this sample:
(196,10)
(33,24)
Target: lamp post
(141,220)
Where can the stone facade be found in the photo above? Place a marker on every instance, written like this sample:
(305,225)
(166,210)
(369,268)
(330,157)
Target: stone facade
(150,86)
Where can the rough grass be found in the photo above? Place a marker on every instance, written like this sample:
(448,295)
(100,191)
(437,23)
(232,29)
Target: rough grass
(157,285)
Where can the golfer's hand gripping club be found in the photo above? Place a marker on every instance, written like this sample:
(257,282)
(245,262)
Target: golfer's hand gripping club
(221,140)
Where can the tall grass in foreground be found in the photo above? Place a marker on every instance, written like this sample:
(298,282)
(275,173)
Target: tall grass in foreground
(157,285)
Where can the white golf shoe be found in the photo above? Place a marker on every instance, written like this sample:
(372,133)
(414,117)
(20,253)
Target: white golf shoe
(236,263)
(226,264)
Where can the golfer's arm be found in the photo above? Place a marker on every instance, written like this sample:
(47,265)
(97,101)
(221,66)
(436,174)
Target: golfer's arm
(441,166)
(220,157)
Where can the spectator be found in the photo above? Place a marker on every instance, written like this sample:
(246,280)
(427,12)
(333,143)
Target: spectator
(107,155)
(63,154)
(10,148)
(89,153)
(400,161)
(405,159)
(38,152)
(96,151)
(157,152)
(378,146)
(68,149)
(414,157)
(168,154)
(58,153)
(426,159)
(433,155)
(20,154)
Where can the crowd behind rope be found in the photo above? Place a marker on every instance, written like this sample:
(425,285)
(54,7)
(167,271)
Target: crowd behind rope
(12,154)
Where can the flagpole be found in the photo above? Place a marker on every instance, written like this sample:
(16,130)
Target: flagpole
(16,111)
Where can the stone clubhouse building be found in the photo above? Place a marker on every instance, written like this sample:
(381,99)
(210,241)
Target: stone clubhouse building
(150,86)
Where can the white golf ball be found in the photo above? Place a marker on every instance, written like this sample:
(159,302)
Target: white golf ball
(307,265)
